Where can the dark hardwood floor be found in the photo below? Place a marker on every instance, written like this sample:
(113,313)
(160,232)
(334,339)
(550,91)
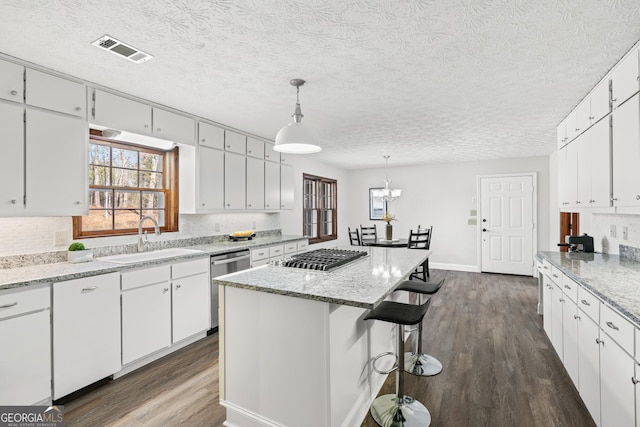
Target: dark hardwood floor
(499,369)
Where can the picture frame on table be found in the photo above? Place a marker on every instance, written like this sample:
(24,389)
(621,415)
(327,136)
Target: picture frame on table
(377,204)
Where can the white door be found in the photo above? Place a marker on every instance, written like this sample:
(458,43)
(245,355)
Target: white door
(507,215)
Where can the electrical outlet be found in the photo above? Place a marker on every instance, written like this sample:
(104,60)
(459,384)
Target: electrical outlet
(612,231)
(472,221)
(625,233)
(59,238)
(217,226)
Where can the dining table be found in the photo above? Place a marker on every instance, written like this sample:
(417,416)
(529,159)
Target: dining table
(393,243)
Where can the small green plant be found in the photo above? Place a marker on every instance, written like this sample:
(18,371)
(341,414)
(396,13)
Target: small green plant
(76,246)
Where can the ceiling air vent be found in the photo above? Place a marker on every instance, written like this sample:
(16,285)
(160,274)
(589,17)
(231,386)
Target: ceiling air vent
(122,49)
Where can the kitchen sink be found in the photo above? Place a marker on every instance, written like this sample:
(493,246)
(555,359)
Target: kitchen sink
(148,256)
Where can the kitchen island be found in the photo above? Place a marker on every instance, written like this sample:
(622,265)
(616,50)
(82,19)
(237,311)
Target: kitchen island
(294,348)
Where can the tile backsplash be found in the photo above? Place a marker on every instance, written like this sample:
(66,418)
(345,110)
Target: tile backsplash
(19,236)
(599,226)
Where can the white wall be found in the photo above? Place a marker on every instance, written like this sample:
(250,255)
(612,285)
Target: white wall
(442,195)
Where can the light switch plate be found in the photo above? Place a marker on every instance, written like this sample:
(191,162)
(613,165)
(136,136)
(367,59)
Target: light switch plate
(59,238)
(625,232)
(474,212)
(472,221)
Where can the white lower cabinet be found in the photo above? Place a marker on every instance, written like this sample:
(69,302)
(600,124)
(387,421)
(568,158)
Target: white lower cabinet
(570,339)
(556,319)
(146,312)
(589,365)
(86,331)
(25,332)
(617,397)
(190,309)
(547,305)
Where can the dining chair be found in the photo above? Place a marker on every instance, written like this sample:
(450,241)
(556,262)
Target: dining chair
(354,237)
(421,239)
(368,234)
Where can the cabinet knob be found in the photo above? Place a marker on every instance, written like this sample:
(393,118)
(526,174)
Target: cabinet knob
(165,290)
(228,204)
(77,202)
(249,151)
(282,206)
(577,129)
(146,126)
(249,205)
(614,99)
(203,140)
(178,286)
(78,108)
(228,146)
(578,202)
(14,92)
(575,316)
(614,199)
(599,341)
(14,201)
(634,381)
(266,206)
(203,204)
(159,129)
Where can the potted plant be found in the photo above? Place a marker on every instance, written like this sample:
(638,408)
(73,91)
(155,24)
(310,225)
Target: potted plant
(389,228)
(78,253)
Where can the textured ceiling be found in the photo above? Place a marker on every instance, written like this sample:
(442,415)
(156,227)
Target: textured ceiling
(421,80)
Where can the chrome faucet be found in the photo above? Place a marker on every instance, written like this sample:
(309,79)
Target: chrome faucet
(146,238)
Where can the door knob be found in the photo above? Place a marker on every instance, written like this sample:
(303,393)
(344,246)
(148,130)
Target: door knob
(484,219)
(484,230)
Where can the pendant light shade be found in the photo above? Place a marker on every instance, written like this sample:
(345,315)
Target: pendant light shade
(296,138)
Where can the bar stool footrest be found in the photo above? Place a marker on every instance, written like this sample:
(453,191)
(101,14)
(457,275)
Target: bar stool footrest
(381,355)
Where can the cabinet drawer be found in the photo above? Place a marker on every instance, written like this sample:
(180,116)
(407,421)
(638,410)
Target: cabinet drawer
(255,148)
(617,327)
(260,262)
(303,246)
(15,302)
(235,142)
(276,251)
(540,267)
(570,288)
(55,93)
(145,276)
(190,268)
(556,275)
(589,303)
(257,254)
(290,248)
(546,267)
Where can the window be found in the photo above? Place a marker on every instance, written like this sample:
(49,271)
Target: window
(320,208)
(127,182)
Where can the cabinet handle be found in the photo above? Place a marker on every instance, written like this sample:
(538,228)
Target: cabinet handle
(13,304)
(599,341)
(228,146)
(248,205)
(178,286)
(165,290)
(634,381)
(159,130)
(575,316)
(203,204)
(203,140)
(14,92)
(561,300)
(614,99)
(249,151)
(89,289)
(578,202)
(14,201)
(266,206)
(612,326)
(567,287)
(577,129)
(228,204)
(555,275)
(77,202)
(585,302)
(78,108)
(146,126)
(545,267)
(614,199)
(591,117)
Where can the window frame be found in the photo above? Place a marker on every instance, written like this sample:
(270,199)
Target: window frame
(319,180)
(169,188)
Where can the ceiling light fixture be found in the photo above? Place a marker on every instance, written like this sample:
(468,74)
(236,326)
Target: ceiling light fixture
(387,193)
(295,138)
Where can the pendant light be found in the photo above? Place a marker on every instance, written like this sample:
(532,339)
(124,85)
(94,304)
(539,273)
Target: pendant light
(386,193)
(295,138)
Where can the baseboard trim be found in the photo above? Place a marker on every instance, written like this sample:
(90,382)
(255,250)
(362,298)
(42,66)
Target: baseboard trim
(454,267)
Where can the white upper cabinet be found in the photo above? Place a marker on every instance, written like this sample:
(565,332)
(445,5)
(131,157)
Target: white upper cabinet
(235,142)
(271,154)
(562,134)
(600,101)
(626,153)
(625,80)
(173,127)
(571,173)
(121,113)
(598,162)
(210,136)
(54,93)
(583,114)
(56,164)
(572,126)
(286,187)
(211,179)
(255,184)
(11,81)
(255,148)
(271,185)
(12,159)
(235,179)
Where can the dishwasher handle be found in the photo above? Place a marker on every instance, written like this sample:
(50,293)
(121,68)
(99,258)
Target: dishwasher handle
(229,260)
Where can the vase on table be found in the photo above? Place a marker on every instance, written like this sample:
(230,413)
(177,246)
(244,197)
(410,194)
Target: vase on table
(388,231)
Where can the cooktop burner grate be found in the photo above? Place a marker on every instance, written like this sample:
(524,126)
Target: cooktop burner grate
(323,259)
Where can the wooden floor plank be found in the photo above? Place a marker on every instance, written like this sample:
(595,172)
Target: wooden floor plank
(499,369)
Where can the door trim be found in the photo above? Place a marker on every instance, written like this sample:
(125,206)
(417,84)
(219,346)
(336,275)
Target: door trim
(534,216)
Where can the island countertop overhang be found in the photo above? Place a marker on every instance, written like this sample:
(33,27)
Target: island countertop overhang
(364,283)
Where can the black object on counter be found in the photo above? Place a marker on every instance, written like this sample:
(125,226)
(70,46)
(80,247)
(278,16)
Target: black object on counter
(582,243)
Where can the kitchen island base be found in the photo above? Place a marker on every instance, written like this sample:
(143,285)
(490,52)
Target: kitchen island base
(287,361)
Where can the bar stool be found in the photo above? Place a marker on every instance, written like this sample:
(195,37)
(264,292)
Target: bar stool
(420,363)
(395,410)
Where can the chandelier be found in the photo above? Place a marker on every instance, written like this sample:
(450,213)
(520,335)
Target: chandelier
(386,193)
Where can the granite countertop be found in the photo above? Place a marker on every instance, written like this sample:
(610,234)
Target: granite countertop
(56,272)
(363,283)
(613,279)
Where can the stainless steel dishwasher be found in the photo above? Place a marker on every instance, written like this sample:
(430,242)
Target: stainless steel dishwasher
(222,264)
